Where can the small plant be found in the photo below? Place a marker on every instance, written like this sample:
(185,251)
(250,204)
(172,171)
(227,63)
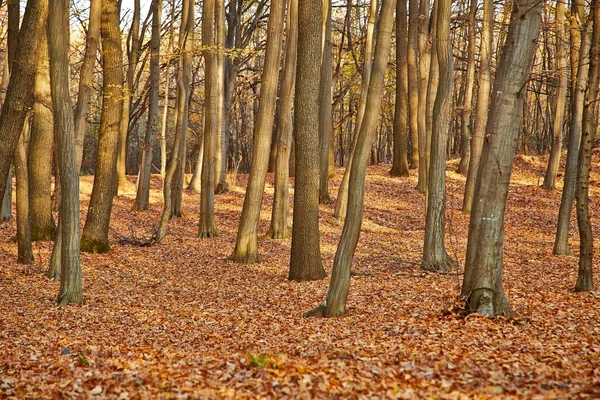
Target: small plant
(263,360)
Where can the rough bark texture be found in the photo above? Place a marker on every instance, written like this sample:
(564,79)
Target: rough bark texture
(39,156)
(92,42)
(246,248)
(561,97)
(482,283)
(305,260)
(95,232)
(281,227)
(325,99)
(58,38)
(143,186)
(25,252)
(435,257)
(335,302)
(400,159)
(413,82)
(19,95)
(585,281)
(481,109)
(561,242)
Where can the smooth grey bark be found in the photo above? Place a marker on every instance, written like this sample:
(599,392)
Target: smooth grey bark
(482,282)
(222,126)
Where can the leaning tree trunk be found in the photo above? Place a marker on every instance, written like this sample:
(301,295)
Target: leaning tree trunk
(467,105)
(58,39)
(86,76)
(19,95)
(305,260)
(435,257)
(39,156)
(325,122)
(561,241)
(95,232)
(25,251)
(246,248)
(561,96)
(585,281)
(280,216)
(400,157)
(6,205)
(335,302)
(413,82)
(483,98)
(143,186)
(482,283)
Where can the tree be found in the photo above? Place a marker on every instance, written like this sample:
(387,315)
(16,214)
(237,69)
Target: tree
(482,282)
(335,302)
(222,134)
(95,232)
(305,260)
(280,215)
(143,186)
(435,257)
(481,109)
(246,248)
(585,281)
(325,120)
(424,66)
(25,252)
(413,82)
(39,156)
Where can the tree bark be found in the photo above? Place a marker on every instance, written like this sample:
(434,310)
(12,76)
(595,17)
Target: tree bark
(482,283)
(413,82)
(325,99)
(423,79)
(305,260)
(58,39)
(95,232)
(25,251)
(222,134)
(335,302)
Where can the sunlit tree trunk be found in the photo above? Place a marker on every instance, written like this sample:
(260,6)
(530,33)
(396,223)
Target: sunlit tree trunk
(280,216)
(85,78)
(482,282)
(246,248)
(305,260)
(25,251)
(95,232)
(325,99)
(222,134)
(483,98)
(424,66)
(413,82)
(585,281)
(335,301)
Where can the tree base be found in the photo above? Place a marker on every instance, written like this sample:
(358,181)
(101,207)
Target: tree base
(561,249)
(315,274)
(212,233)
(89,245)
(488,302)
(42,233)
(247,258)
(399,172)
(65,299)
(221,188)
(324,199)
(278,235)
(585,282)
(443,265)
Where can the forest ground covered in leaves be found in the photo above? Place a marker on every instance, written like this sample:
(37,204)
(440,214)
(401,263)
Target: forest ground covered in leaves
(177,320)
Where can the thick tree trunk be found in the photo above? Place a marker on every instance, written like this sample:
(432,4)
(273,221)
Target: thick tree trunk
(95,232)
(25,251)
(6,205)
(39,156)
(143,186)
(400,158)
(325,99)
(246,248)
(58,38)
(483,99)
(305,260)
(482,283)
(561,96)
(561,242)
(281,227)
(424,66)
(467,104)
(413,82)
(335,302)
(86,77)
(585,281)
(435,257)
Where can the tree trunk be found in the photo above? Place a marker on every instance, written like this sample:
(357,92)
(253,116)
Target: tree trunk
(424,66)
(95,232)
(58,43)
(435,257)
(482,283)
(280,217)
(25,251)
(85,79)
(413,82)
(246,248)
(483,99)
(561,96)
(335,302)
(222,134)
(305,260)
(39,156)
(325,99)
(143,186)
(561,242)
(467,105)
(585,281)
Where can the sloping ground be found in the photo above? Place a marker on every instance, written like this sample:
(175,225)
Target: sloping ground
(178,320)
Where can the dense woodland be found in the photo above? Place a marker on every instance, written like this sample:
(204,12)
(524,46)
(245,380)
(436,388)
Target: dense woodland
(297,137)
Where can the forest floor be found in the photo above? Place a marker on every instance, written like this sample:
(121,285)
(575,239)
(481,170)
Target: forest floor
(177,320)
